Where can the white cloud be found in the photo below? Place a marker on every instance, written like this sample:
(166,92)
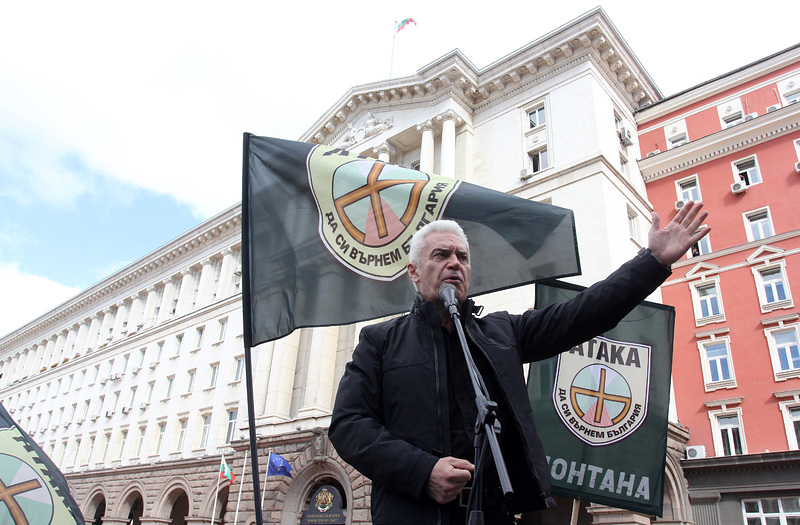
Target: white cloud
(26,297)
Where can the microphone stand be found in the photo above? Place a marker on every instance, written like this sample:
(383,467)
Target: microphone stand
(487,428)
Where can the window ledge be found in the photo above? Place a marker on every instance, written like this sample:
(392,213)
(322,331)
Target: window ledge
(710,319)
(730,383)
(783,375)
(777,305)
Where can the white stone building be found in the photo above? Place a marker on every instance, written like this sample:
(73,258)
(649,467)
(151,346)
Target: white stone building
(135,386)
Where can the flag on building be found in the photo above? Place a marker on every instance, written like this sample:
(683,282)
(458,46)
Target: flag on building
(326,233)
(278,466)
(225,471)
(602,408)
(404,23)
(32,489)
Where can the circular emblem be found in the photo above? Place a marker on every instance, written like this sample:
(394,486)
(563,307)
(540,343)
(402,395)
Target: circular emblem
(23,493)
(601,389)
(369,209)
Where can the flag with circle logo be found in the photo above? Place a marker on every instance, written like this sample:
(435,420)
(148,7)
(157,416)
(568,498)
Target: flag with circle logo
(32,489)
(326,232)
(602,408)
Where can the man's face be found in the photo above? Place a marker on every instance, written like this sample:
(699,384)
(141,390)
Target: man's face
(445,259)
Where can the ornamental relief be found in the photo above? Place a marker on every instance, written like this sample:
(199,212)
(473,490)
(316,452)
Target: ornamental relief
(371,127)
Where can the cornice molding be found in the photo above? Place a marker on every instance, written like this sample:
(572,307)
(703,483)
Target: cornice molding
(130,279)
(721,143)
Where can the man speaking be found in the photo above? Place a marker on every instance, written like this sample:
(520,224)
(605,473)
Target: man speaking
(405,411)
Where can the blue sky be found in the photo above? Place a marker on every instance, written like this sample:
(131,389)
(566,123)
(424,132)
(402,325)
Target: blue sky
(121,123)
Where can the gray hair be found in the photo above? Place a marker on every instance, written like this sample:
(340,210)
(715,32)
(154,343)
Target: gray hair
(444,225)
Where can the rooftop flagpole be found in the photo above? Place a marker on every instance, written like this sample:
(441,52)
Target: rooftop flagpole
(394,37)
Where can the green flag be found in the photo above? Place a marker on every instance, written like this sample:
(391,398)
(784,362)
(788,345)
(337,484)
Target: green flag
(32,489)
(325,236)
(602,408)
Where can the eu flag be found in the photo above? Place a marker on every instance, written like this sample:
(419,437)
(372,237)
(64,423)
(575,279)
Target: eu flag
(278,466)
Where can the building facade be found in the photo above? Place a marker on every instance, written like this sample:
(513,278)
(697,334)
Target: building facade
(135,386)
(734,143)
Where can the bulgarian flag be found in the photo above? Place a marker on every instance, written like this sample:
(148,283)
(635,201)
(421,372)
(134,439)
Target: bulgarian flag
(225,471)
(404,23)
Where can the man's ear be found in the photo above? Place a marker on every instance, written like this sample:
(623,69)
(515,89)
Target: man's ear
(412,272)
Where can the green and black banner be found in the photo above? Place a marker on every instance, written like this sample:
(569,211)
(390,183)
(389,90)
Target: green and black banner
(32,489)
(326,235)
(602,408)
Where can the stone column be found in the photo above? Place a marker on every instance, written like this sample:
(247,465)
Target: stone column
(225,274)
(58,347)
(384,152)
(69,345)
(281,379)
(41,355)
(105,328)
(319,387)
(12,372)
(449,120)
(165,308)
(94,333)
(426,148)
(148,316)
(186,292)
(206,284)
(135,322)
(80,338)
(120,321)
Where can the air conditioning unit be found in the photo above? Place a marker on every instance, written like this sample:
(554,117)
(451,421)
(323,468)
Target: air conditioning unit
(680,204)
(625,137)
(116,377)
(95,417)
(125,410)
(153,364)
(143,406)
(695,452)
(12,410)
(66,424)
(109,413)
(776,107)
(738,187)
(654,152)
(237,271)
(797,167)
(751,116)
(135,370)
(79,421)
(525,174)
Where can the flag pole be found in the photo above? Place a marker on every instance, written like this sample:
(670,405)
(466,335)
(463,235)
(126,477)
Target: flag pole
(394,37)
(247,323)
(241,484)
(216,493)
(266,475)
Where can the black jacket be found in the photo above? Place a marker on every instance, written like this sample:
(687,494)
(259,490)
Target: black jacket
(391,415)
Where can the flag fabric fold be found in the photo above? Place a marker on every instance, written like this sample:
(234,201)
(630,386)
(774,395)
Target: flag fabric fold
(326,232)
(225,471)
(32,489)
(403,23)
(278,466)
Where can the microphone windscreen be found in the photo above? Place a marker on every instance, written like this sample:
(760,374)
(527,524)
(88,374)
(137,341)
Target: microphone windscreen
(448,294)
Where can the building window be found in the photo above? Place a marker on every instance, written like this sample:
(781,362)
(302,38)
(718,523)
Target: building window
(190,381)
(733,119)
(178,343)
(759,225)
(771,511)
(170,383)
(140,442)
(773,288)
(223,327)
(707,303)
(122,442)
(181,435)
(162,429)
(199,338)
(791,420)
(784,351)
(717,365)
(214,374)
(538,160)
(237,376)
(728,433)
(536,117)
(205,429)
(688,190)
(701,247)
(633,225)
(231,429)
(747,171)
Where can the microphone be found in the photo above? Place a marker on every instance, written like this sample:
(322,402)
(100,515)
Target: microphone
(448,294)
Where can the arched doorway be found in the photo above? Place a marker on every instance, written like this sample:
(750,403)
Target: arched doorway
(99,511)
(321,482)
(180,509)
(137,509)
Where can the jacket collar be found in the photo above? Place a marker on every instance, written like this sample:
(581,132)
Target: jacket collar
(422,308)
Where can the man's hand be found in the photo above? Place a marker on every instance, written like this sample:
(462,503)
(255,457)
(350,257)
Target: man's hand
(447,478)
(669,245)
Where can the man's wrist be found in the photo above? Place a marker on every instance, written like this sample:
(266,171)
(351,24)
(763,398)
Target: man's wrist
(645,252)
